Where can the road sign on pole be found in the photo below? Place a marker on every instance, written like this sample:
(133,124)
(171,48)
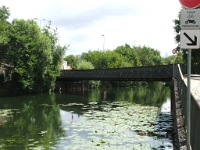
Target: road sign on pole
(174,51)
(190,19)
(190,39)
(190,3)
(190,34)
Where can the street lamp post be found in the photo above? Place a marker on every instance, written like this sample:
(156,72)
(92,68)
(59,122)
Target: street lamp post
(103,48)
(103,41)
(39,20)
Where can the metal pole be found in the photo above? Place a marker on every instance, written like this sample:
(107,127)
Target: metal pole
(103,44)
(173,66)
(39,20)
(173,71)
(188,98)
(103,41)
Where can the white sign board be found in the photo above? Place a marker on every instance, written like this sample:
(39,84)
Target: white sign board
(190,19)
(190,39)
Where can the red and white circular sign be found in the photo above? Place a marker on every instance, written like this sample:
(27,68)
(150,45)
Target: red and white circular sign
(190,3)
(174,51)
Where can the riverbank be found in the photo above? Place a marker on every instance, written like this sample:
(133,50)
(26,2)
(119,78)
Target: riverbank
(180,140)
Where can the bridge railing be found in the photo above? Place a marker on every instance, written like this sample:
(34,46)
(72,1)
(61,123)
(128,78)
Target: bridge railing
(195,109)
(146,73)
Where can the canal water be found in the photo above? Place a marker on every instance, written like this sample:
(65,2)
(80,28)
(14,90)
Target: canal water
(136,118)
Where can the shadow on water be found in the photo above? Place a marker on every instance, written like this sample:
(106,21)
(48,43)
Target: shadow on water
(108,118)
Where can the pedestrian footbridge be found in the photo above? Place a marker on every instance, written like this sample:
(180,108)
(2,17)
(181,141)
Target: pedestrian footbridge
(147,73)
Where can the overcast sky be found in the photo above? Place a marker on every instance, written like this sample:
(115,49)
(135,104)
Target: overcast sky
(81,23)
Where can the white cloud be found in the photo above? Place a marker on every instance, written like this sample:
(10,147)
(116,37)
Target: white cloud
(81,23)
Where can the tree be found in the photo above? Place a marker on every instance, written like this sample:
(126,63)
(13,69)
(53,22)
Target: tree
(57,52)
(29,54)
(129,54)
(35,56)
(177,29)
(85,65)
(95,57)
(72,61)
(107,59)
(149,56)
(111,59)
(4,13)
(175,59)
(4,30)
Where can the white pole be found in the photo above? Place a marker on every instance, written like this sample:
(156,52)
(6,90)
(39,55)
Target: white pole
(188,98)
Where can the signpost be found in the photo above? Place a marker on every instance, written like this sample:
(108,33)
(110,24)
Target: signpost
(190,34)
(190,39)
(190,19)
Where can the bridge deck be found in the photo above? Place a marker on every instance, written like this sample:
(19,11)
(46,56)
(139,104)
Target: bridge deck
(147,73)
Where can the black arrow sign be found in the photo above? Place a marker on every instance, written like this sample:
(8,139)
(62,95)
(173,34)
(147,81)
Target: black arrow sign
(193,43)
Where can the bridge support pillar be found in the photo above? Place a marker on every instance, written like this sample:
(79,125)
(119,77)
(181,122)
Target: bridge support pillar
(73,86)
(82,86)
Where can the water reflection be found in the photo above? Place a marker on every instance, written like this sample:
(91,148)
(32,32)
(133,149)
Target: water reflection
(58,121)
(33,125)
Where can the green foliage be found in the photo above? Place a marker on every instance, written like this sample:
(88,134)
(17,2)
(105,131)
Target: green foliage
(130,56)
(122,56)
(4,13)
(107,59)
(34,54)
(57,51)
(175,59)
(177,29)
(29,52)
(111,59)
(85,65)
(149,56)
(4,31)
(95,57)
(72,61)
(93,84)
(195,57)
